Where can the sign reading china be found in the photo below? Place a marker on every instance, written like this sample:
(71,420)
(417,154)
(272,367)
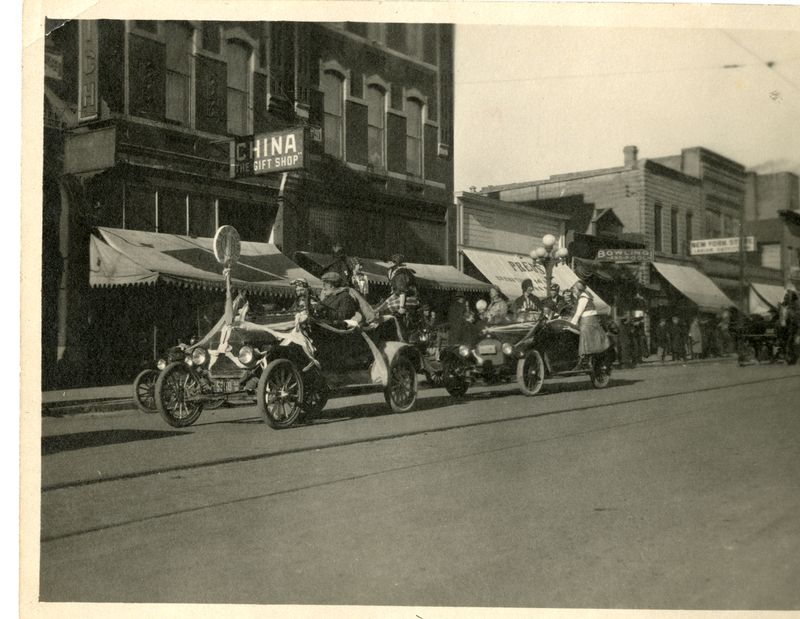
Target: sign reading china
(721,246)
(626,255)
(268,152)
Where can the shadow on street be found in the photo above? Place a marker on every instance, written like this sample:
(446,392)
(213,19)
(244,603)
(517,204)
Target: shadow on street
(81,440)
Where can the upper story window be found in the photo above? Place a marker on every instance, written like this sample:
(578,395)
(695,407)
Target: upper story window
(414,109)
(657,245)
(674,231)
(238,55)
(332,86)
(689,236)
(376,120)
(178,37)
(713,224)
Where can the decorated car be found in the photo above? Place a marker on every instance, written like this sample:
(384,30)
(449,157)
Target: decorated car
(527,352)
(289,364)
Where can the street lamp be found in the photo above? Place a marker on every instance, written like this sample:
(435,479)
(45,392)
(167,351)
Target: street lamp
(548,256)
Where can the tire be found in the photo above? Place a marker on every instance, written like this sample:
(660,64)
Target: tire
(280,394)
(401,392)
(601,372)
(144,391)
(315,394)
(453,376)
(530,373)
(175,386)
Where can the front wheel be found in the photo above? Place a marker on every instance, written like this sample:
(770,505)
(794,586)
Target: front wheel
(530,373)
(144,391)
(177,395)
(401,390)
(280,394)
(454,376)
(601,372)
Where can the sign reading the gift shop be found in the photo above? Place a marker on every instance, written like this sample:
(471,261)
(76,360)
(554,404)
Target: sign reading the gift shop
(265,153)
(721,246)
(626,255)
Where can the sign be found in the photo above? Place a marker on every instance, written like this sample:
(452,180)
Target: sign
(53,65)
(227,246)
(88,97)
(267,152)
(721,246)
(626,255)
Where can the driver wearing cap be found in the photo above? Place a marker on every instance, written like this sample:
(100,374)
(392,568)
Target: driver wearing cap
(337,304)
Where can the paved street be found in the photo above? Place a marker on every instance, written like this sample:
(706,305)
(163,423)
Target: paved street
(677,487)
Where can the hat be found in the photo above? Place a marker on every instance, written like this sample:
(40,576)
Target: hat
(300,281)
(526,283)
(332,277)
(397,258)
(554,286)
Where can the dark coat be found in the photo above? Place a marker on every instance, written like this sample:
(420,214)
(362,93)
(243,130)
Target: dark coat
(339,305)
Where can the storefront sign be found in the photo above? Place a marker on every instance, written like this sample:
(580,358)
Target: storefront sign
(266,153)
(625,255)
(721,246)
(88,97)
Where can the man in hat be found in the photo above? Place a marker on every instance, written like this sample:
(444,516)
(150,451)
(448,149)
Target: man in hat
(554,305)
(336,303)
(527,303)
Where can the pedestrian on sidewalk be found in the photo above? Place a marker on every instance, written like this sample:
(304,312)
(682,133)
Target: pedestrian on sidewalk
(677,338)
(695,338)
(662,338)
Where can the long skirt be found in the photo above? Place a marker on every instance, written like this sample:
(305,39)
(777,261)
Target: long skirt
(593,337)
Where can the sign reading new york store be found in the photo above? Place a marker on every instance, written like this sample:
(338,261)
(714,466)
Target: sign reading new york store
(266,153)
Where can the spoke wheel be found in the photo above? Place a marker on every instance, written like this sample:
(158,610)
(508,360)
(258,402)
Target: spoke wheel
(401,391)
(280,394)
(453,376)
(144,391)
(530,373)
(178,392)
(601,372)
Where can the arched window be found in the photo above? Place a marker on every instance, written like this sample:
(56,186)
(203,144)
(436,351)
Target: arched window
(376,121)
(414,136)
(178,37)
(332,85)
(238,56)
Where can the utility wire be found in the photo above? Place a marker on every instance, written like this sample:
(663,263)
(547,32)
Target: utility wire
(770,64)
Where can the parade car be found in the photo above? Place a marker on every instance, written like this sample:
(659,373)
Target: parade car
(527,352)
(289,365)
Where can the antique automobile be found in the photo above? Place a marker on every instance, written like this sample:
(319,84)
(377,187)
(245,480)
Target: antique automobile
(527,352)
(289,365)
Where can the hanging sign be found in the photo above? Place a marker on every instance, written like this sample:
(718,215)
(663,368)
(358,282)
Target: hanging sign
(267,152)
(88,98)
(625,255)
(721,246)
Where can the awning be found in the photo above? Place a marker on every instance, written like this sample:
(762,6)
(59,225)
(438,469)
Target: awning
(131,257)
(428,276)
(764,298)
(508,271)
(694,285)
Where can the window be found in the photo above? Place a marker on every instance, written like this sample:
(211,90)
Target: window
(332,86)
(689,233)
(171,212)
(376,119)
(139,209)
(674,231)
(238,55)
(179,71)
(202,216)
(414,137)
(713,224)
(657,228)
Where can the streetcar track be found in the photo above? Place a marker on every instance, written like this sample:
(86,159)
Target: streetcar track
(329,482)
(357,441)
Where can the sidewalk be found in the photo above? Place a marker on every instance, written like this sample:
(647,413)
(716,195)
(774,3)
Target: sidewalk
(120,397)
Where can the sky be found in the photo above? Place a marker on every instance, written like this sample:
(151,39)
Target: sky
(533,101)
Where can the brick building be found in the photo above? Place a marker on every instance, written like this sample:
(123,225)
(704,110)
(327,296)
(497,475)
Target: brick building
(142,119)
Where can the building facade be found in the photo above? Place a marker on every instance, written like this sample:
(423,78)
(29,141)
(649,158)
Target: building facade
(146,123)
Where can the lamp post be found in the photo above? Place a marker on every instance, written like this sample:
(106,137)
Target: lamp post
(549,256)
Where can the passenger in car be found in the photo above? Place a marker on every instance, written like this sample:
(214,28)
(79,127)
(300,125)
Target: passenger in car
(527,306)
(336,303)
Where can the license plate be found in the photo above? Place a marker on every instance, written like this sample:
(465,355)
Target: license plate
(231,385)
(487,349)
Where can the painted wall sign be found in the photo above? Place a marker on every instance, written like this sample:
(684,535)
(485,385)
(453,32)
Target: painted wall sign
(268,152)
(721,246)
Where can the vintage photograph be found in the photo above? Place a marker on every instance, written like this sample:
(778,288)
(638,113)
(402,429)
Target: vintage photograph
(411,309)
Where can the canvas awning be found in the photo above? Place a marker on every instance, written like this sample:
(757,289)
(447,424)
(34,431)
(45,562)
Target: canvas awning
(695,286)
(764,298)
(132,257)
(508,271)
(428,276)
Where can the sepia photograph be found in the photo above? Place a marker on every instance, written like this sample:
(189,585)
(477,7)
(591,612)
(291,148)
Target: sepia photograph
(410,309)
